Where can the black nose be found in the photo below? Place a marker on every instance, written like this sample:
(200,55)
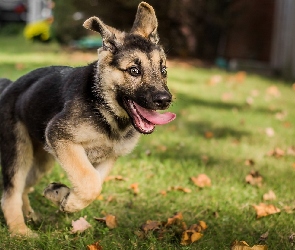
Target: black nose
(162,100)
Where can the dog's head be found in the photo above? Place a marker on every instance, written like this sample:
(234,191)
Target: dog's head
(132,70)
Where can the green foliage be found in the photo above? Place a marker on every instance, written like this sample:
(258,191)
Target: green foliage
(176,152)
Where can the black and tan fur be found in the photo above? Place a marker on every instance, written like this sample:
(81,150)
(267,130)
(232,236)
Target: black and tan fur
(79,116)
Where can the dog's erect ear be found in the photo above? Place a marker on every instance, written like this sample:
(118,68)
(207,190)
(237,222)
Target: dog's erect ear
(110,36)
(146,23)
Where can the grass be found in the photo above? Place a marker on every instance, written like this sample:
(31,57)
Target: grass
(218,127)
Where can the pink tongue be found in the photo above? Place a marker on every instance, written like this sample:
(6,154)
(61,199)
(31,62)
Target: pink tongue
(154,117)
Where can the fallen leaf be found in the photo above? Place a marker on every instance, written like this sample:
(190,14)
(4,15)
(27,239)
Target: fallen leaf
(95,246)
(163,192)
(249,162)
(151,225)
(100,197)
(176,219)
(249,100)
(281,115)
(254,178)
(209,134)
(270,132)
(179,188)
(190,236)
(215,79)
(269,196)
(110,221)
(80,225)
(19,66)
(202,180)
(291,151)
(288,209)
(273,91)
(277,152)
(263,210)
(240,76)
(287,124)
(242,245)
(134,188)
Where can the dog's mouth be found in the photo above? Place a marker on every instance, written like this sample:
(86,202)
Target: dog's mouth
(144,120)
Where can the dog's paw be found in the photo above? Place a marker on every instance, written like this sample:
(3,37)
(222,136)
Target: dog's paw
(33,216)
(57,193)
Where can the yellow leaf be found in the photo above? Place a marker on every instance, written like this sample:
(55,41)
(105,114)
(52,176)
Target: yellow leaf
(263,210)
(110,221)
(134,188)
(95,246)
(242,245)
(190,236)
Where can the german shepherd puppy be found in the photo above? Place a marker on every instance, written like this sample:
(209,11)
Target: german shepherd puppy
(83,117)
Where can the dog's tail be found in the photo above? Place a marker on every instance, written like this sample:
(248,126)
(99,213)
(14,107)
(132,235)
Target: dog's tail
(4,82)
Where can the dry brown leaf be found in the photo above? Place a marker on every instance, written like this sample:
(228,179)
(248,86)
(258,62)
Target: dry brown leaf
(202,180)
(189,237)
(176,219)
(242,245)
(215,79)
(254,178)
(110,221)
(277,152)
(179,188)
(163,192)
(151,225)
(134,188)
(80,225)
(209,134)
(95,246)
(291,151)
(269,196)
(100,197)
(249,162)
(273,91)
(263,210)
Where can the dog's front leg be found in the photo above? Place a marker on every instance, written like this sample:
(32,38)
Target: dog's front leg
(85,179)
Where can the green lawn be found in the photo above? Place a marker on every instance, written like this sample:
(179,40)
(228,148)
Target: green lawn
(220,124)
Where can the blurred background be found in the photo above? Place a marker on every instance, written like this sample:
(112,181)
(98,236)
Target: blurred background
(231,34)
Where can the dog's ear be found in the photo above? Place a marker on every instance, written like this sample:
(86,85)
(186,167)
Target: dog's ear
(146,22)
(110,36)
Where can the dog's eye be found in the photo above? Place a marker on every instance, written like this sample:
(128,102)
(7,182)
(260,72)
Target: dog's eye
(164,71)
(134,71)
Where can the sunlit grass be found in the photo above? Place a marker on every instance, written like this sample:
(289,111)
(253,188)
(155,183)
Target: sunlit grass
(235,113)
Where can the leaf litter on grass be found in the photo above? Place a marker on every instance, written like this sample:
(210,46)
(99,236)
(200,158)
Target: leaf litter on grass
(173,226)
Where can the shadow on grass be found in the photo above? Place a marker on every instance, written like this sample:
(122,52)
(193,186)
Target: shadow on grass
(186,101)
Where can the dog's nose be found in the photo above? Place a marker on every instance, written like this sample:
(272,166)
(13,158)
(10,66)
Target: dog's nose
(162,100)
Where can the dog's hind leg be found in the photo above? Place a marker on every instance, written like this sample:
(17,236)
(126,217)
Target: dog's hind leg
(16,160)
(42,163)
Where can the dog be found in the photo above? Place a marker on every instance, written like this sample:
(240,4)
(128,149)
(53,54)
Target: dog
(84,117)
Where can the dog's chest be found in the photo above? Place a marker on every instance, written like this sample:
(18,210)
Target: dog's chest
(99,147)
